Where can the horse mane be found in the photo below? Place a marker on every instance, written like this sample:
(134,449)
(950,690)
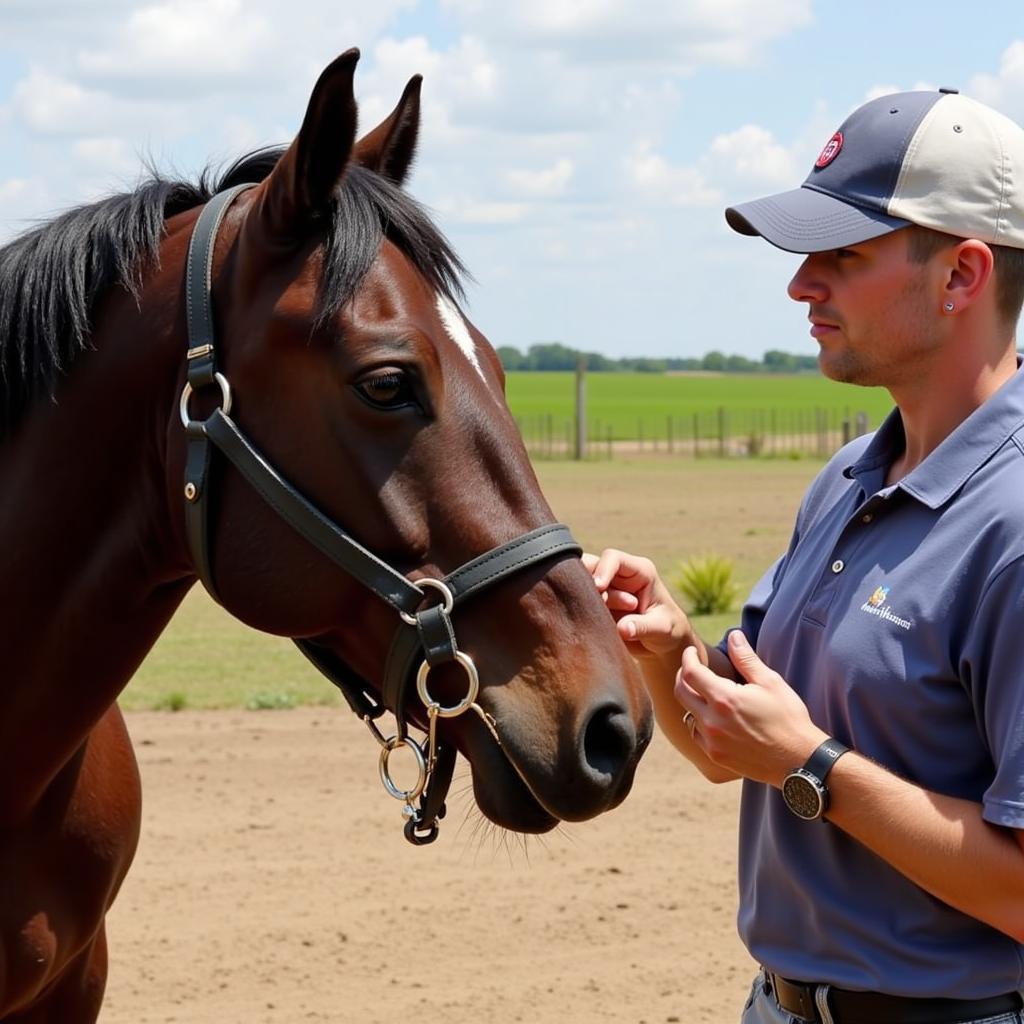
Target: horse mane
(52,276)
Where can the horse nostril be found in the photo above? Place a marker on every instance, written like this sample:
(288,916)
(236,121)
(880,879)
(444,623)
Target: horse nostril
(609,740)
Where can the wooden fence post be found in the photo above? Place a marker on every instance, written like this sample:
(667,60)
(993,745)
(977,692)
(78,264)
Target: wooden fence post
(580,449)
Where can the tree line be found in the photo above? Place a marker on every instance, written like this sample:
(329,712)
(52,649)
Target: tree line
(555,356)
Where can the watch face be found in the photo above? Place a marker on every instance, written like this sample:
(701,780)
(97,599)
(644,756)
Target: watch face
(802,796)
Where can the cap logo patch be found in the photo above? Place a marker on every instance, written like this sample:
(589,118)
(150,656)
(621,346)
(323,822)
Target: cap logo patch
(831,150)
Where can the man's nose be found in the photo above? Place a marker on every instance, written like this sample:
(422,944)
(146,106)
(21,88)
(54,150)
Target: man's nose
(808,283)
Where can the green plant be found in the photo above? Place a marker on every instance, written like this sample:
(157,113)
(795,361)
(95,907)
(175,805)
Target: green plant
(707,583)
(267,700)
(173,701)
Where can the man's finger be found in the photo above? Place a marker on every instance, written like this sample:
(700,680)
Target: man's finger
(627,572)
(607,567)
(699,677)
(686,696)
(621,600)
(745,659)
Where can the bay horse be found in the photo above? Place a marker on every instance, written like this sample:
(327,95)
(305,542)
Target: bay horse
(205,381)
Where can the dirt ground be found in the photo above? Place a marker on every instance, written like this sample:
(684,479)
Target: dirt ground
(273,884)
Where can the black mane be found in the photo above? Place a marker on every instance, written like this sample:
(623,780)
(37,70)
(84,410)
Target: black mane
(52,275)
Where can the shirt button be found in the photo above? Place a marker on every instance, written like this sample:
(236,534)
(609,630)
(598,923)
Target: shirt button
(867,517)
(838,565)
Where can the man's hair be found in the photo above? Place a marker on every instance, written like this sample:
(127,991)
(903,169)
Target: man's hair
(1008,263)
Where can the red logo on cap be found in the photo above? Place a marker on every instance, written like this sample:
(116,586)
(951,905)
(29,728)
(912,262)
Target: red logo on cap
(831,150)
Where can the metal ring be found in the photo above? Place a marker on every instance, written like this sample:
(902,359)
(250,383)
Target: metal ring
(455,709)
(408,795)
(690,721)
(438,585)
(418,838)
(225,398)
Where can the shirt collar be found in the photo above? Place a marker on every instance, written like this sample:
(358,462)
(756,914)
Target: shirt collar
(956,459)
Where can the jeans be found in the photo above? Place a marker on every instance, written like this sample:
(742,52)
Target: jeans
(761,1008)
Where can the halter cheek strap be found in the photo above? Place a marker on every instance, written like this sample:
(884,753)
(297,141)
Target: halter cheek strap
(426,636)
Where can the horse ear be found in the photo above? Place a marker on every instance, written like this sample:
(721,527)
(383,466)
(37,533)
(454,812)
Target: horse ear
(389,149)
(301,184)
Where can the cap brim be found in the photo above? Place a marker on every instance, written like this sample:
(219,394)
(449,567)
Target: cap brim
(805,220)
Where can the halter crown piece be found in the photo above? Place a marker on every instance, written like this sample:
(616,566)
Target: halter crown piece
(426,636)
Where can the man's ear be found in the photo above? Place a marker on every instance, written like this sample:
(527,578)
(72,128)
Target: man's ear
(971,269)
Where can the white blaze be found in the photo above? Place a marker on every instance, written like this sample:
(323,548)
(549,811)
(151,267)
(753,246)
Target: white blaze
(455,326)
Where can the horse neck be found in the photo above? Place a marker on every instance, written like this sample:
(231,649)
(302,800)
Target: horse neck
(91,570)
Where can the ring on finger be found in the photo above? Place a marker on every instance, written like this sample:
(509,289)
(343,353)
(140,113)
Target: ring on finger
(690,721)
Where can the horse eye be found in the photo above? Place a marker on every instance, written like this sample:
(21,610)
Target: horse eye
(386,389)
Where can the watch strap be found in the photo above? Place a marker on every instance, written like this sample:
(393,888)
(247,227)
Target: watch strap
(820,763)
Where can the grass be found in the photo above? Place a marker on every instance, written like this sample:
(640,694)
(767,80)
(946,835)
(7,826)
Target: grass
(668,509)
(641,404)
(706,583)
(207,659)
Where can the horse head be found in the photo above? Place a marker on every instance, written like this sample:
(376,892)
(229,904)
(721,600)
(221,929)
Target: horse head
(354,372)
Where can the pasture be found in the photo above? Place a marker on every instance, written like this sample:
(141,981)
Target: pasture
(641,404)
(273,884)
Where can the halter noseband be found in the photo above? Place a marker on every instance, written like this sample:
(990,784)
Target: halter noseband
(426,637)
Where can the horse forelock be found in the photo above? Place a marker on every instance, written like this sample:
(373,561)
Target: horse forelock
(52,275)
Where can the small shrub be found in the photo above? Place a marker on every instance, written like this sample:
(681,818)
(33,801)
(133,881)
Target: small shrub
(707,584)
(173,701)
(267,700)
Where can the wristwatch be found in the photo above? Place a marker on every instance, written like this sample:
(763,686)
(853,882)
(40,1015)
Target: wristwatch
(804,789)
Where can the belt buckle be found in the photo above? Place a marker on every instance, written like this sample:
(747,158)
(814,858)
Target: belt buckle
(811,1001)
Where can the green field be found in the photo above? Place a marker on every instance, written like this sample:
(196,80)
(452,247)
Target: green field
(633,405)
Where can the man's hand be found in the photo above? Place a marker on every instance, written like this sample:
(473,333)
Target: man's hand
(656,631)
(649,621)
(761,730)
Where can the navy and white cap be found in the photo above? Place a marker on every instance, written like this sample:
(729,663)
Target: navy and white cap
(937,159)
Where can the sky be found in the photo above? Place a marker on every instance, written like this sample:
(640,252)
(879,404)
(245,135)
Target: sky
(578,153)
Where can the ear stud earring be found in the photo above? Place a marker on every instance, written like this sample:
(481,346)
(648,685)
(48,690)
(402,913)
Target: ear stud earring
(948,307)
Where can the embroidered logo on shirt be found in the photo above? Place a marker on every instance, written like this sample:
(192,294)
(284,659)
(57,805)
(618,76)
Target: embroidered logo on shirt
(876,605)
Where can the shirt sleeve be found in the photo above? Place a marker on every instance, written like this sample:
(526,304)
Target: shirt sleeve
(993,671)
(756,605)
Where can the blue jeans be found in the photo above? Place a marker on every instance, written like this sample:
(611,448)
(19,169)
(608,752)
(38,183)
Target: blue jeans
(761,1008)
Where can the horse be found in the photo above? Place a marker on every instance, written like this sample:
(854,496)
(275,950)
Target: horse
(205,381)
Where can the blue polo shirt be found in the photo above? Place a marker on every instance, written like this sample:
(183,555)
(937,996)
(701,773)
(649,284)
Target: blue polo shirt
(897,614)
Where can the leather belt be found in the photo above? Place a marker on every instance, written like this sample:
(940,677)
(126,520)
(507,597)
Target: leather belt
(842,1006)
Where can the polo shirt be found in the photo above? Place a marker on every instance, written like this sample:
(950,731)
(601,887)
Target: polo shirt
(897,614)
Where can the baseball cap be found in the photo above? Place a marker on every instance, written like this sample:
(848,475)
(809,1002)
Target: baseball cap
(937,159)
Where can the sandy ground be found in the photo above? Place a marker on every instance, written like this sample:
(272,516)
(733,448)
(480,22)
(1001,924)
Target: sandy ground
(273,884)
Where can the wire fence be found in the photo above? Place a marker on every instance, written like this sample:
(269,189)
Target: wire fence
(716,433)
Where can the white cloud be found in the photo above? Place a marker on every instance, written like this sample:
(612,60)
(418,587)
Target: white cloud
(751,155)
(476,212)
(877,91)
(546,183)
(105,154)
(749,158)
(51,104)
(21,203)
(677,33)
(189,42)
(1005,89)
(659,181)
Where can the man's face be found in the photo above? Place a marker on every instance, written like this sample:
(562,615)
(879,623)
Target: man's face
(872,311)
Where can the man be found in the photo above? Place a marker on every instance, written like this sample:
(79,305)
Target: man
(880,730)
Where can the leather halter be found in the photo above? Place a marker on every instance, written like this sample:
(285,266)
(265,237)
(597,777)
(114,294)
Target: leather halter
(425,638)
